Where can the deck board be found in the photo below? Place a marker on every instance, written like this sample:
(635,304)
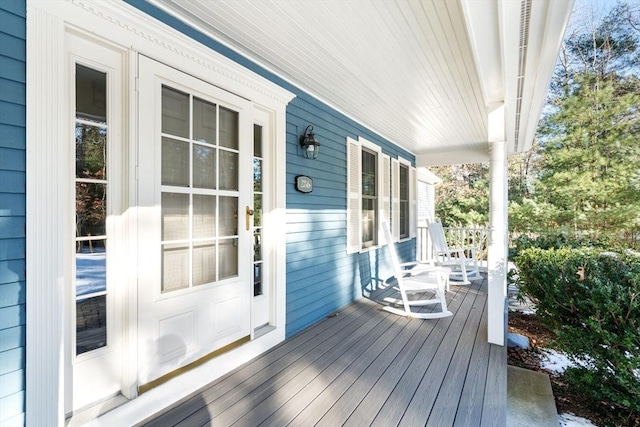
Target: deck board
(364,367)
(410,400)
(264,367)
(337,402)
(278,372)
(469,413)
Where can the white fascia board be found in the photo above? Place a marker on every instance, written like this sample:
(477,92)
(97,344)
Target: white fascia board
(509,18)
(455,157)
(548,24)
(494,29)
(481,18)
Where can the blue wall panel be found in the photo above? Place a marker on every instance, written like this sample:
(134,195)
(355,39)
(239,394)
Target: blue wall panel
(12,210)
(321,277)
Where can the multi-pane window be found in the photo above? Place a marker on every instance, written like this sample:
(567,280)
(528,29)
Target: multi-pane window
(369,198)
(368,182)
(199,177)
(379,189)
(91,183)
(403,215)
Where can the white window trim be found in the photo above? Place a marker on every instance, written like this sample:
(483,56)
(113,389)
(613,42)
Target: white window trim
(354,193)
(413,204)
(47,203)
(395,199)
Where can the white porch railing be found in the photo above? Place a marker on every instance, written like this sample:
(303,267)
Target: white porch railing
(457,237)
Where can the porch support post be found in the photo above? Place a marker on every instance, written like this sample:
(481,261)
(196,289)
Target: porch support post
(498,228)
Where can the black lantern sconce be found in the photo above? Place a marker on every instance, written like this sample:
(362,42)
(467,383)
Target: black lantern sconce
(310,144)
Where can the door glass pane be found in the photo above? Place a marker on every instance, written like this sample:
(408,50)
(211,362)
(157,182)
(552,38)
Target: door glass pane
(257,141)
(175,162)
(228,258)
(91,323)
(91,151)
(257,210)
(228,170)
(257,246)
(204,121)
(204,263)
(175,267)
(175,112)
(204,216)
(228,128)
(175,216)
(257,279)
(90,258)
(91,209)
(228,216)
(91,267)
(204,166)
(91,94)
(199,225)
(257,174)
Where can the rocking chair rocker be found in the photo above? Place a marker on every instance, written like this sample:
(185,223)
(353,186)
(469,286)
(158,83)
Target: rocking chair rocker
(417,281)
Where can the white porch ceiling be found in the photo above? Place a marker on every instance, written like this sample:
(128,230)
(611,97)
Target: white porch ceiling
(423,74)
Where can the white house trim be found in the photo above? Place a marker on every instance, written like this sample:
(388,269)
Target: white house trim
(119,24)
(498,228)
(45,347)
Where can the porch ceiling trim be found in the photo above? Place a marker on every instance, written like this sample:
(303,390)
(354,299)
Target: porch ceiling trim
(423,75)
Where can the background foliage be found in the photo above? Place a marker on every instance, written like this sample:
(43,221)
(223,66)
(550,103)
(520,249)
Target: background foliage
(591,299)
(582,176)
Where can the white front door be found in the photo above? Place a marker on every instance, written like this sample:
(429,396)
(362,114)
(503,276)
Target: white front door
(194,229)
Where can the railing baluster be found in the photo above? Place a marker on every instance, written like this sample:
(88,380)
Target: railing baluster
(456,237)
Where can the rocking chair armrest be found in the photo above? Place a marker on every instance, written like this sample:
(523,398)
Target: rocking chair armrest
(405,265)
(429,269)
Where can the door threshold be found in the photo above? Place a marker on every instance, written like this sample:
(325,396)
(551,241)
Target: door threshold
(263,330)
(92,412)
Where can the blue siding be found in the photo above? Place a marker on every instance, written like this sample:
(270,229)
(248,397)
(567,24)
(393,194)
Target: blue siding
(321,277)
(12,210)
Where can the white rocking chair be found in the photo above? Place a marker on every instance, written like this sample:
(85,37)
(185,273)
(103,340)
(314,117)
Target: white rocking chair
(463,268)
(415,281)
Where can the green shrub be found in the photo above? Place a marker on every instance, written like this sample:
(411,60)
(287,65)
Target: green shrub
(597,319)
(555,241)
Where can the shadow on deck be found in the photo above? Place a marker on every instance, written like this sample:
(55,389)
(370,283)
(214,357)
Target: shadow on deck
(365,366)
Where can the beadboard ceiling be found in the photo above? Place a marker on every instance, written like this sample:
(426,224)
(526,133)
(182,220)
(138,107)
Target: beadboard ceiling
(423,74)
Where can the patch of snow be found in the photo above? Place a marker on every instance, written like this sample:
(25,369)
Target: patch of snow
(554,361)
(91,272)
(570,420)
(517,340)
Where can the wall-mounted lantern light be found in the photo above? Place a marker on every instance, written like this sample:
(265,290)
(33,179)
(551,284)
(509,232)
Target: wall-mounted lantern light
(310,144)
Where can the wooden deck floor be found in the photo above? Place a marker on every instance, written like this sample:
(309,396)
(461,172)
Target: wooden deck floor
(365,367)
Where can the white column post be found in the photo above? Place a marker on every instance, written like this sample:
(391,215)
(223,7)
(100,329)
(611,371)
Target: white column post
(498,228)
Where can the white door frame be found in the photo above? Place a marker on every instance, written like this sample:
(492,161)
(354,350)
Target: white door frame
(47,125)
